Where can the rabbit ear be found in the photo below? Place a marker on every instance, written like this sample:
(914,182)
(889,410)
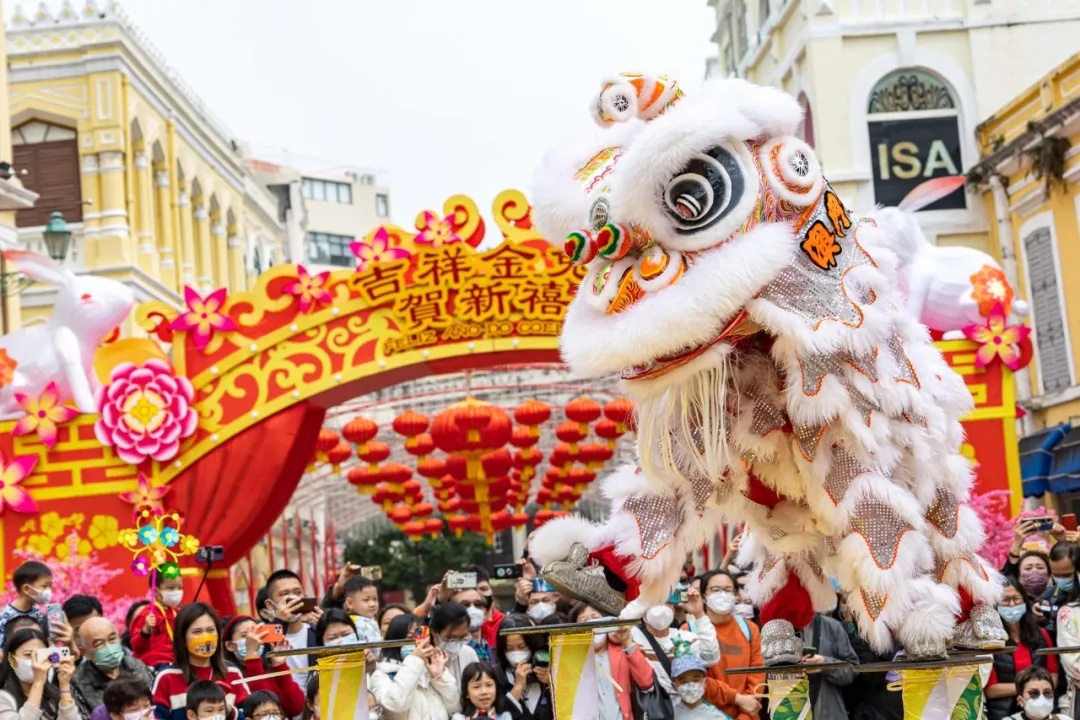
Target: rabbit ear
(38,267)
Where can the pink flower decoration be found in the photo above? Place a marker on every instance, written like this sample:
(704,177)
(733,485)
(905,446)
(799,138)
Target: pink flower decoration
(378,250)
(203,316)
(310,290)
(43,414)
(11,475)
(996,340)
(145,412)
(145,496)
(436,231)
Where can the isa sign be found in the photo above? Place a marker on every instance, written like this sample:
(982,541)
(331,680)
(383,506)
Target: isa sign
(907,152)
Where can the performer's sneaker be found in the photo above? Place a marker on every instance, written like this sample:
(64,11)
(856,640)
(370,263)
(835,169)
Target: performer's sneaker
(779,644)
(577,578)
(981,631)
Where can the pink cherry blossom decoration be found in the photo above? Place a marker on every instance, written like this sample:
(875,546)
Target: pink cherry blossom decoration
(43,414)
(310,290)
(377,250)
(996,341)
(145,412)
(203,316)
(436,231)
(11,476)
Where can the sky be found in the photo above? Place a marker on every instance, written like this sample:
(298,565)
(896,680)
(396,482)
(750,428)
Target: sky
(436,97)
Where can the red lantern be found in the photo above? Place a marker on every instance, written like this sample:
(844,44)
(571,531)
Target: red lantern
(360,430)
(595,454)
(570,432)
(373,452)
(365,478)
(339,454)
(619,410)
(431,467)
(561,455)
(423,509)
(496,463)
(420,446)
(433,527)
(400,514)
(532,412)
(522,437)
(414,530)
(327,440)
(457,524)
(583,411)
(410,423)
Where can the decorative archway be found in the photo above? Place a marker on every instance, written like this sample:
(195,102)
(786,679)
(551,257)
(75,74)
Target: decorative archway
(420,303)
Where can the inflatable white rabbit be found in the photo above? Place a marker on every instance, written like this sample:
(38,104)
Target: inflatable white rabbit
(937,280)
(87,309)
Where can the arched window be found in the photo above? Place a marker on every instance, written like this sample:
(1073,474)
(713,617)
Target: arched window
(914,124)
(46,156)
(806,130)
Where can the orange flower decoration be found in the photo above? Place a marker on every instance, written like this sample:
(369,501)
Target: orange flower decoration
(996,341)
(7,368)
(990,287)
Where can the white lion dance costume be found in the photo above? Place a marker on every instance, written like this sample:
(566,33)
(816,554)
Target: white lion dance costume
(778,378)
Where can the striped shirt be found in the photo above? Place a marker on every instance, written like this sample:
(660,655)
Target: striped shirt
(170,690)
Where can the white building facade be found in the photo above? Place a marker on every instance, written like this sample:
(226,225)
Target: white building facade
(894,89)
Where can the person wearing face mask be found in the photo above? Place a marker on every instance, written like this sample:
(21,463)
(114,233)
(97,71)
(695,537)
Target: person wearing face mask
(620,665)
(690,681)
(1035,696)
(127,698)
(541,599)
(200,656)
(25,690)
(152,629)
(740,646)
(99,643)
(284,601)
(657,638)
(1028,638)
(524,670)
(33,587)
(243,650)
(1064,557)
(476,605)
(421,686)
(450,632)
(335,629)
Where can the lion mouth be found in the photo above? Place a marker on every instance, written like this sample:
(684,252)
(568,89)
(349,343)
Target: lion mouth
(738,329)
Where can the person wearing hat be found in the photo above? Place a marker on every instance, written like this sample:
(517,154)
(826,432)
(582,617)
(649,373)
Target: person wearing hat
(690,680)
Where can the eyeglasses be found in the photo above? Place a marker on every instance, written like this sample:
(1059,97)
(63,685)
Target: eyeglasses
(1035,694)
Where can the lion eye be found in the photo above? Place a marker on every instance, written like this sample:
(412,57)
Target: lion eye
(704,191)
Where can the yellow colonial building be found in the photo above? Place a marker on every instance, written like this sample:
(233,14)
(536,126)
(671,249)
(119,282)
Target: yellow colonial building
(153,188)
(1029,176)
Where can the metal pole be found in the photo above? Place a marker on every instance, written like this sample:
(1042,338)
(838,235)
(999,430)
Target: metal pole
(3,294)
(300,548)
(315,575)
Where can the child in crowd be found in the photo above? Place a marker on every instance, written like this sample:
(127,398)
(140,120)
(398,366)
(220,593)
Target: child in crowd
(153,627)
(362,602)
(1035,694)
(33,584)
(481,695)
(205,701)
(311,700)
(128,698)
(263,705)
(688,676)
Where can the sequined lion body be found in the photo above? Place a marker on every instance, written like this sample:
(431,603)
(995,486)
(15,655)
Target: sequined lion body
(778,377)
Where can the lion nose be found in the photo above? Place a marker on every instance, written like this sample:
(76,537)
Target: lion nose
(613,241)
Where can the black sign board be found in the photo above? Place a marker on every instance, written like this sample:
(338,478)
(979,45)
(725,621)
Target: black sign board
(906,153)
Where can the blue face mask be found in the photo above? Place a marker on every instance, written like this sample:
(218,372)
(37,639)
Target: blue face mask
(406,652)
(1065,584)
(1011,614)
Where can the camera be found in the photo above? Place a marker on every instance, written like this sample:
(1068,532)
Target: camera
(507,572)
(210,554)
(460,580)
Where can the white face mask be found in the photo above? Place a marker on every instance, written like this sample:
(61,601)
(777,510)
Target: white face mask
(659,617)
(42,597)
(349,639)
(721,602)
(452,647)
(476,618)
(539,611)
(216,717)
(516,657)
(599,638)
(25,670)
(1039,708)
(138,714)
(743,610)
(692,692)
(171,598)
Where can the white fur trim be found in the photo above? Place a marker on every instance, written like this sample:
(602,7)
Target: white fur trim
(681,316)
(553,539)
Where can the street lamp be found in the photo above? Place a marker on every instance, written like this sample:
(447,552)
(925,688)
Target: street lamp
(57,239)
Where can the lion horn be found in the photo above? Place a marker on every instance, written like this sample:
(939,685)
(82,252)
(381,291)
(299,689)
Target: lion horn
(633,95)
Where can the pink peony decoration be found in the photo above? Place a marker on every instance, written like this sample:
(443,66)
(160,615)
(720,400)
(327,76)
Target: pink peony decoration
(43,415)
(436,231)
(145,412)
(309,290)
(203,316)
(377,250)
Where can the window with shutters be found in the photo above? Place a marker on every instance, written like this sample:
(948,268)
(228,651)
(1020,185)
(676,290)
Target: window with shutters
(46,157)
(1051,342)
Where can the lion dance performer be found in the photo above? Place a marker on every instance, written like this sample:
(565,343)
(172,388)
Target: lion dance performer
(778,378)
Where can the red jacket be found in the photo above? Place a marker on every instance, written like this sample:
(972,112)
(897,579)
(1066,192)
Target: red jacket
(157,648)
(626,669)
(289,693)
(170,691)
(490,629)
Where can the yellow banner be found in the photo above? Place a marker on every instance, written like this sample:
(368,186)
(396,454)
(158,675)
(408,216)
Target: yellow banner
(573,677)
(343,691)
(949,693)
